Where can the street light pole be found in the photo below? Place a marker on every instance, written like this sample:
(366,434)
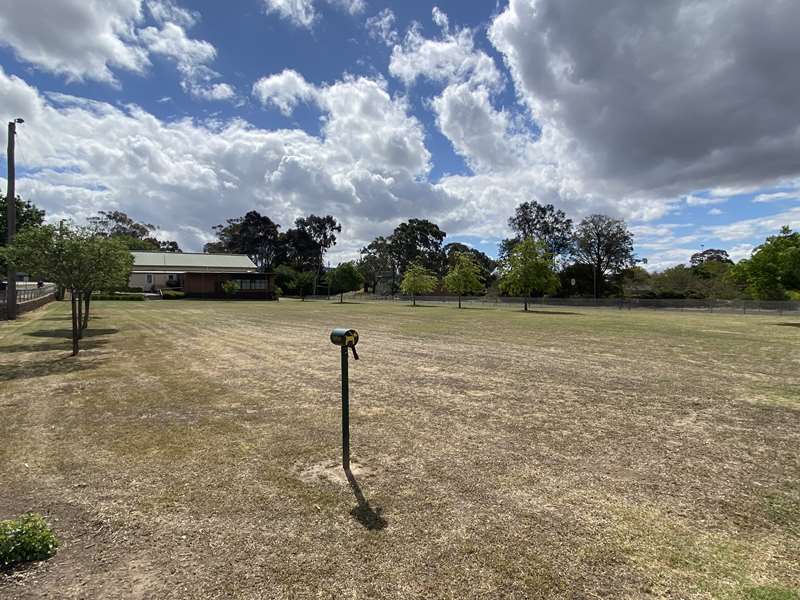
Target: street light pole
(11,221)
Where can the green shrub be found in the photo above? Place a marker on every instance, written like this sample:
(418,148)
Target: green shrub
(101,296)
(230,288)
(172,295)
(25,539)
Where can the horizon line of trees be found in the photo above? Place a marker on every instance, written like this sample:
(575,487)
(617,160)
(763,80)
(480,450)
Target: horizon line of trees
(593,258)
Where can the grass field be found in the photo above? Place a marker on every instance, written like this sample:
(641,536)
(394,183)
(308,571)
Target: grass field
(190,451)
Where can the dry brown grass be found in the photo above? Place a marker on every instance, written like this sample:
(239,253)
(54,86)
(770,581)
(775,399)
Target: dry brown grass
(186,453)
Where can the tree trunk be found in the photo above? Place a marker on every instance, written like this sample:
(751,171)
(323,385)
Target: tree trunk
(87,299)
(79,311)
(526,304)
(459,302)
(74,299)
(341,298)
(413,300)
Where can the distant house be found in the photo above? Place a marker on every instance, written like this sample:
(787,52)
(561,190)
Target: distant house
(200,275)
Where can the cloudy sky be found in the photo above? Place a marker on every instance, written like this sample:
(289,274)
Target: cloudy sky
(682,116)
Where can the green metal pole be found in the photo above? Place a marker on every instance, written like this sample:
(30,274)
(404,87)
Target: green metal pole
(345,412)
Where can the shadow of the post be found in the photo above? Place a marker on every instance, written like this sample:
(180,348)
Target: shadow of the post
(363,513)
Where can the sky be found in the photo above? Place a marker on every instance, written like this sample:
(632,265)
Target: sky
(679,116)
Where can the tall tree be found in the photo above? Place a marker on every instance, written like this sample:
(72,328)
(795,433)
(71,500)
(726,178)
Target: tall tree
(463,277)
(528,270)
(486,265)
(377,261)
(254,234)
(543,223)
(323,231)
(300,251)
(28,215)
(135,235)
(418,240)
(606,245)
(635,282)
(417,279)
(304,283)
(285,279)
(773,271)
(710,255)
(344,278)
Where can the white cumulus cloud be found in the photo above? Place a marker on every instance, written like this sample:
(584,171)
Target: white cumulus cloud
(368,167)
(79,39)
(284,90)
(303,13)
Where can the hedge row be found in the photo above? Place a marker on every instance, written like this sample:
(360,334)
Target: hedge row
(133,297)
(172,295)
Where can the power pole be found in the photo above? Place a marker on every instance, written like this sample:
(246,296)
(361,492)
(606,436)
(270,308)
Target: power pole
(11,204)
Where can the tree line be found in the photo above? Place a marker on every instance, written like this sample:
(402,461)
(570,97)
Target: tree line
(546,254)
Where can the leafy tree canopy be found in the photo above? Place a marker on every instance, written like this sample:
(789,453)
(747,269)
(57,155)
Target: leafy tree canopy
(604,243)
(322,230)
(710,255)
(528,270)
(464,276)
(344,278)
(76,259)
(486,265)
(418,240)
(376,261)
(300,250)
(418,280)
(135,235)
(543,223)
(304,283)
(254,235)
(773,271)
(27,216)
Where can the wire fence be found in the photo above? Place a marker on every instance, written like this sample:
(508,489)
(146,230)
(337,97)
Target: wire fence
(694,305)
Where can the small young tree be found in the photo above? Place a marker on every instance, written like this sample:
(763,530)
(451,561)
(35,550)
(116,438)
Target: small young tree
(112,263)
(73,259)
(463,277)
(344,278)
(417,280)
(304,282)
(528,269)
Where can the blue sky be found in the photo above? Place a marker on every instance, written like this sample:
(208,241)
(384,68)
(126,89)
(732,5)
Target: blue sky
(186,113)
